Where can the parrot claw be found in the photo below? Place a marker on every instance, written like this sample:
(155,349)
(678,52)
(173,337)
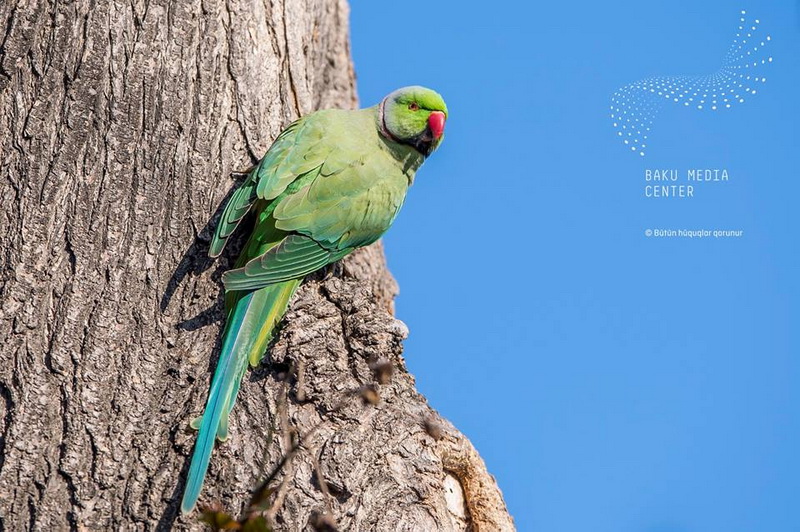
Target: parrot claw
(196,422)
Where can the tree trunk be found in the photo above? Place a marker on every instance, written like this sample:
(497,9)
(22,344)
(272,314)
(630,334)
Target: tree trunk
(121,124)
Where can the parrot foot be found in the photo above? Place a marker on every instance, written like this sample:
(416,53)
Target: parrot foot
(196,422)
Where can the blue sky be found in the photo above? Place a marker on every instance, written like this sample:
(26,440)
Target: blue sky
(612,382)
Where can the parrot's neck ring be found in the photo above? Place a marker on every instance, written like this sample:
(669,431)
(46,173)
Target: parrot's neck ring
(382,122)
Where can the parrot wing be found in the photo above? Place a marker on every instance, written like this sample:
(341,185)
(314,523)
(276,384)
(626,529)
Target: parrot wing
(346,200)
(350,204)
(297,150)
(294,258)
(236,209)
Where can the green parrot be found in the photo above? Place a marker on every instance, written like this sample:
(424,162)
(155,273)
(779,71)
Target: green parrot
(332,182)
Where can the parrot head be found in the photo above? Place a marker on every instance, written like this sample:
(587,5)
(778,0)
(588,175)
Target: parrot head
(414,116)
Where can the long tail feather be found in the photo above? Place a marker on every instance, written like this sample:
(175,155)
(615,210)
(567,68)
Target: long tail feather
(247,334)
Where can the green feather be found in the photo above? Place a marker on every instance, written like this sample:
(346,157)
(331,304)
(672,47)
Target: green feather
(236,209)
(294,258)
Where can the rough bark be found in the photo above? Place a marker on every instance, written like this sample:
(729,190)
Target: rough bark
(120,124)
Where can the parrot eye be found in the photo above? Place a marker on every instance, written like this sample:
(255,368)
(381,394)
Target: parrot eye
(413,106)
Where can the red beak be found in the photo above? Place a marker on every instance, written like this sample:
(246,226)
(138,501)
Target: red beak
(436,123)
